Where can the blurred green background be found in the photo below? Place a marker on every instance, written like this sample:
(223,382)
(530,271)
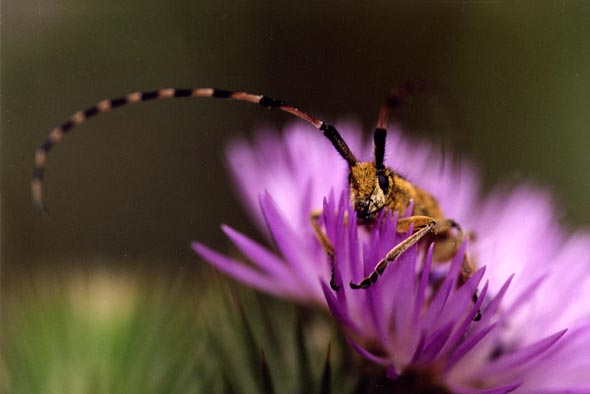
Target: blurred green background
(136,185)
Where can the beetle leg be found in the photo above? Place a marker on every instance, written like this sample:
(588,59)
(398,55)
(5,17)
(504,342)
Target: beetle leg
(427,227)
(326,245)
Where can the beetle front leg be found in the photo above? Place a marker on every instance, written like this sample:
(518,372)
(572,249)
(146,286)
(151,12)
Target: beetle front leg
(326,245)
(426,228)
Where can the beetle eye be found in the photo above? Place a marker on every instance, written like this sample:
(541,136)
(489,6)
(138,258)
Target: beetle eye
(383,182)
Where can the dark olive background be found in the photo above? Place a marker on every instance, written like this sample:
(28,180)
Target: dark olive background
(138,184)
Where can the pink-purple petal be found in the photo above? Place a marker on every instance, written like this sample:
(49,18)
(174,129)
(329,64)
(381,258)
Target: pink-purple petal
(367,354)
(420,296)
(339,312)
(504,389)
(434,343)
(461,328)
(511,362)
(259,255)
(289,242)
(468,344)
(238,270)
(443,293)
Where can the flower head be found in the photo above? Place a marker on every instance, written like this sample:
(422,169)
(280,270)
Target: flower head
(532,278)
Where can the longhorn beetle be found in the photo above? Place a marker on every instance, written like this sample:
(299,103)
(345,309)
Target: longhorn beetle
(373,186)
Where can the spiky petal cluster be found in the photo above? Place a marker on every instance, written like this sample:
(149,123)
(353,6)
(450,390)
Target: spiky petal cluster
(413,319)
(416,318)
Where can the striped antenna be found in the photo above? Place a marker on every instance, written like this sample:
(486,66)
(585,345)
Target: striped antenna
(399,96)
(379,148)
(107,105)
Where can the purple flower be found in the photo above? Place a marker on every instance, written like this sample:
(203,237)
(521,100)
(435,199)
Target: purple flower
(533,279)
(282,180)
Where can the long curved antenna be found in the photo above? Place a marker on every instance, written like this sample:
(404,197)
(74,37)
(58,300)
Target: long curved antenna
(397,97)
(379,148)
(133,98)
